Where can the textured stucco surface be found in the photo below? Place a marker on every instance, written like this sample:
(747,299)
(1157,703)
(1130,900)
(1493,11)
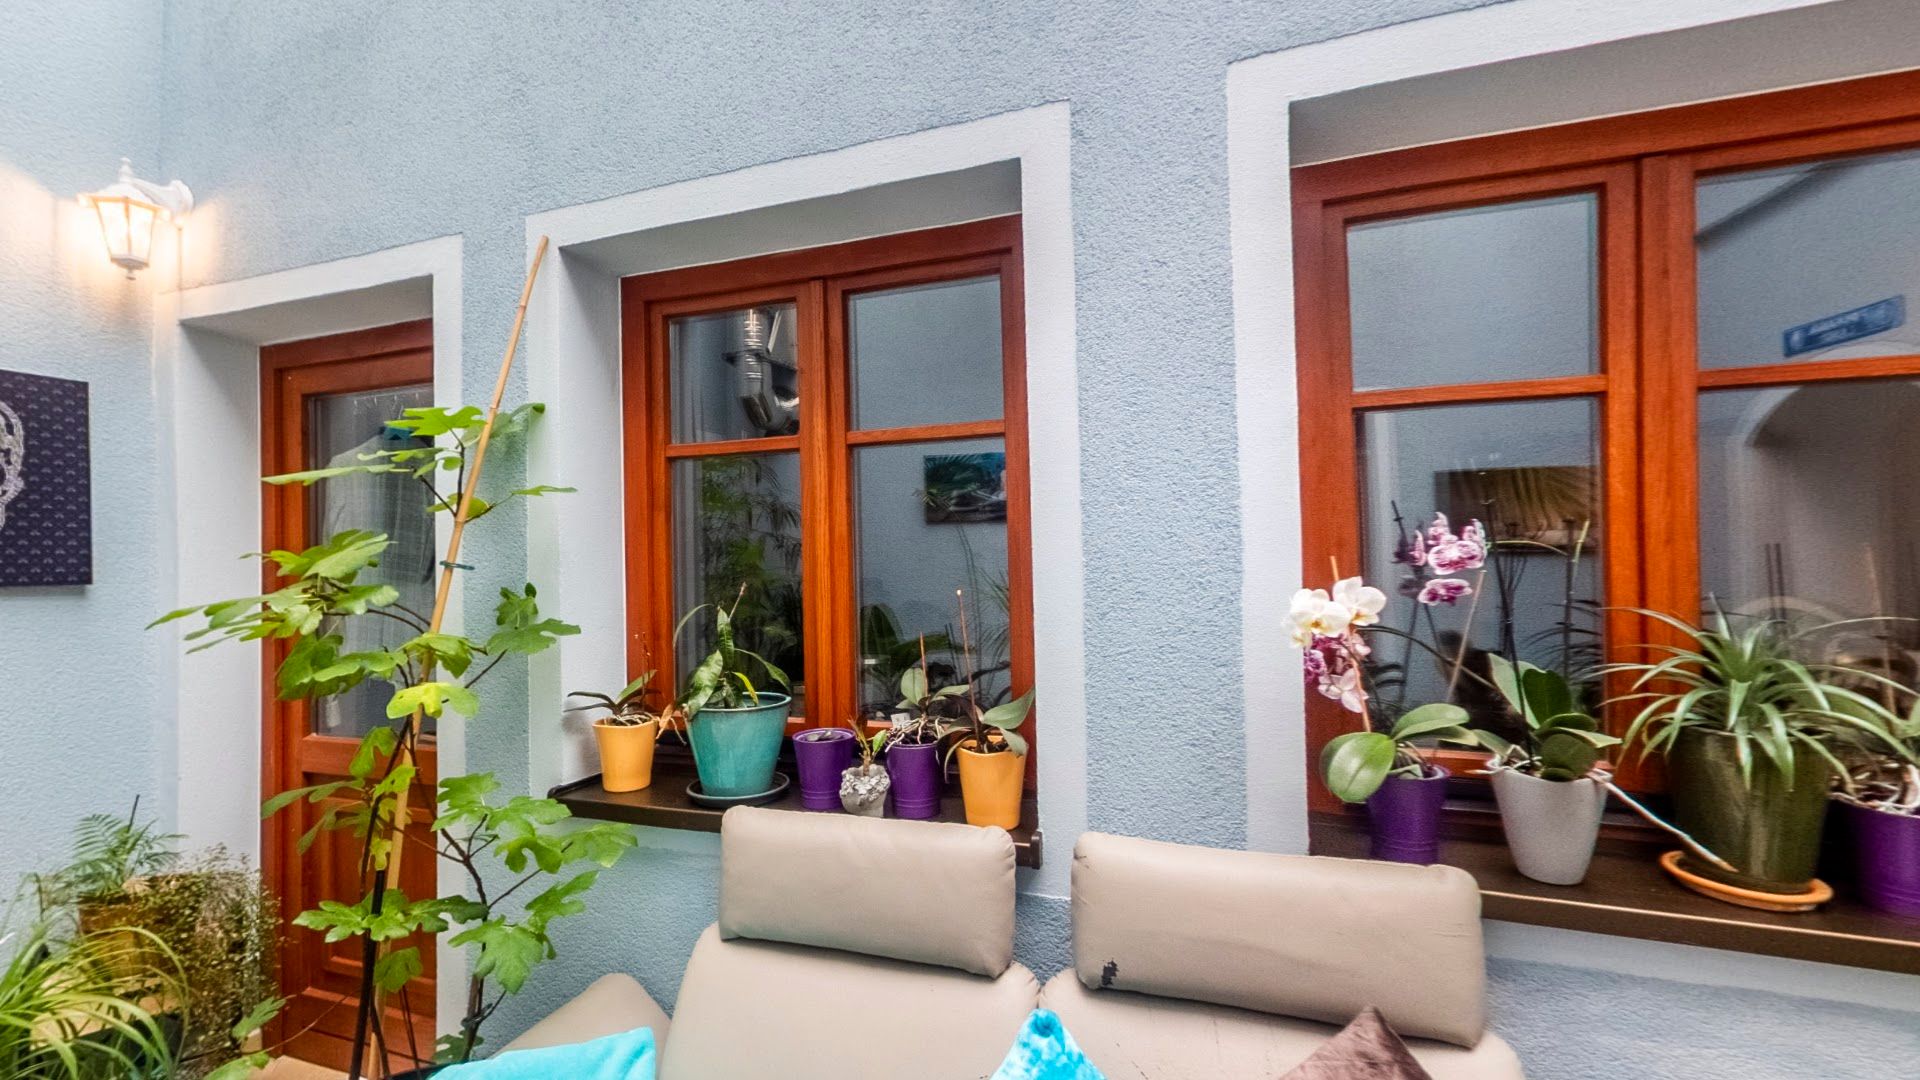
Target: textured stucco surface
(316,131)
(81,721)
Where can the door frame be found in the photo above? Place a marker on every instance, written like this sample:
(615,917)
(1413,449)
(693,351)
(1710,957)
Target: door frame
(379,358)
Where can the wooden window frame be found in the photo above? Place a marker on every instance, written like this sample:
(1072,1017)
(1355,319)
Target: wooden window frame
(1644,168)
(819,282)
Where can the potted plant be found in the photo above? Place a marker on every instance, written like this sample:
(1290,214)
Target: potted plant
(1551,785)
(863,787)
(1747,730)
(734,728)
(1879,799)
(1388,771)
(626,735)
(821,755)
(913,751)
(993,760)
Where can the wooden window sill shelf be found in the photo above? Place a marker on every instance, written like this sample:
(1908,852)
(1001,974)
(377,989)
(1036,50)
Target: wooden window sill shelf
(1627,895)
(664,804)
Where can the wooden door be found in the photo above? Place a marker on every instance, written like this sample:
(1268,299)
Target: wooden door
(324,401)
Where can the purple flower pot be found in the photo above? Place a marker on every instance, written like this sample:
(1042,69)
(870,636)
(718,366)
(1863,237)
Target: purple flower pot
(1886,856)
(1405,816)
(916,780)
(821,755)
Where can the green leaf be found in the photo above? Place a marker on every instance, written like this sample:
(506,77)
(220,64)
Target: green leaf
(241,1068)
(257,1017)
(432,698)
(450,651)
(913,686)
(310,476)
(315,793)
(1426,720)
(396,969)
(377,743)
(430,421)
(1011,714)
(508,953)
(1355,764)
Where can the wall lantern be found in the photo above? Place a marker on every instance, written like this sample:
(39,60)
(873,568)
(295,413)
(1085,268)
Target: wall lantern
(128,210)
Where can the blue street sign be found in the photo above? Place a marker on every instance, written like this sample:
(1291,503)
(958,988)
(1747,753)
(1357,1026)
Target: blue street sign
(1875,318)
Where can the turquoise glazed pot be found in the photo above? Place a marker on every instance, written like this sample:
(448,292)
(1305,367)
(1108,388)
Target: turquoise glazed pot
(734,749)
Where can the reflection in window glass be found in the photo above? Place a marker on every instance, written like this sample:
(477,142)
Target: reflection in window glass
(929,354)
(1811,262)
(1526,469)
(932,518)
(340,428)
(1806,512)
(1488,293)
(736,523)
(735,375)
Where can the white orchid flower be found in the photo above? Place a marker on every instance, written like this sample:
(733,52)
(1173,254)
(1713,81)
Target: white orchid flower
(1364,601)
(1316,614)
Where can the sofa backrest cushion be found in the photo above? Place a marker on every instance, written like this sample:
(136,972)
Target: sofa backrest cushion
(921,891)
(764,1009)
(1293,935)
(1140,1037)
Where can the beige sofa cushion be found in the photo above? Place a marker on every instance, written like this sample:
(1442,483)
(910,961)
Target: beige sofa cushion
(762,1009)
(921,891)
(1141,1037)
(1293,935)
(611,1005)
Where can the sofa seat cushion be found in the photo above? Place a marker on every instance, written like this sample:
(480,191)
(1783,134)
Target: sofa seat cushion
(612,1004)
(1144,1037)
(760,1008)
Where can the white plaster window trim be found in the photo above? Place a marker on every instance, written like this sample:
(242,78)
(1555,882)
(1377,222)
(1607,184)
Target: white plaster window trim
(576,543)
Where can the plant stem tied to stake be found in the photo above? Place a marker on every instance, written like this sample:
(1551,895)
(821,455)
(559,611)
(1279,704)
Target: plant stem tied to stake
(369,1004)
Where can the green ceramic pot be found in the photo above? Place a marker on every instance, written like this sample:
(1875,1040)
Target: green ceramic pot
(735,749)
(1770,831)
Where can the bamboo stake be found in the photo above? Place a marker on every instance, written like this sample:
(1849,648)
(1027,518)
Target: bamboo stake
(403,752)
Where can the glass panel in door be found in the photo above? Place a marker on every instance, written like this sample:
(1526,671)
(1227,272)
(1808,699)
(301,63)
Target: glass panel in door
(340,428)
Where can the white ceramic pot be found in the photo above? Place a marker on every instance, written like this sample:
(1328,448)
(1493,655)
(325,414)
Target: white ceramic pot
(1551,825)
(863,790)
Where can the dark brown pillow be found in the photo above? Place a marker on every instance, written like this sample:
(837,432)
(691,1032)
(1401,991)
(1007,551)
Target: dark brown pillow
(1366,1049)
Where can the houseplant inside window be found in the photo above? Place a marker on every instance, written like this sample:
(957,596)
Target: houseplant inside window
(1748,730)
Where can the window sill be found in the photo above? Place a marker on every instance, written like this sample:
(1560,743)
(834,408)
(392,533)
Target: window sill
(1625,894)
(664,804)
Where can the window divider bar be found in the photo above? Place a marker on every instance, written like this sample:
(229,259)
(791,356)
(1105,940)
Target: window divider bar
(1869,367)
(1466,393)
(726,447)
(976,429)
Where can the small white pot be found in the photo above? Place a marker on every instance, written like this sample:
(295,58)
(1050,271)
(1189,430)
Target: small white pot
(1551,825)
(863,790)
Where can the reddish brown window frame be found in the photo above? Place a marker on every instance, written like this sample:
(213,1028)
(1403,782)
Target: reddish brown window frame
(1643,167)
(818,281)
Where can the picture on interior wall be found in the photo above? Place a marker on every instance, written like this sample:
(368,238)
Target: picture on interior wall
(46,516)
(1548,504)
(965,488)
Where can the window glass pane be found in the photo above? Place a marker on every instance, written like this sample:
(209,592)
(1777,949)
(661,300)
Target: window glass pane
(1489,293)
(1528,470)
(932,518)
(736,522)
(929,354)
(1807,512)
(341,427)
(734,375)
(1812,262)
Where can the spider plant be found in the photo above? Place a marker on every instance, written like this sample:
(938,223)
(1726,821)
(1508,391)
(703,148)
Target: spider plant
(1749,731)
(1750,685)
(70,1010)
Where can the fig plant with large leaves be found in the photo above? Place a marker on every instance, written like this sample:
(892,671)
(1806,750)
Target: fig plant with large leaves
(502,846)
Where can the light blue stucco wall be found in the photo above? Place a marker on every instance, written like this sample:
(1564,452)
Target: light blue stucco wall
(316,131)
(82,727)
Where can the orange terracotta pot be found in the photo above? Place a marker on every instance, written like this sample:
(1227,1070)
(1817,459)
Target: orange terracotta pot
(626,754)
(990,787)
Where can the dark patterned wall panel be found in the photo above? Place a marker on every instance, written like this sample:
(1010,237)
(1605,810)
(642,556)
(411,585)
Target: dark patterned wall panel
(46,514)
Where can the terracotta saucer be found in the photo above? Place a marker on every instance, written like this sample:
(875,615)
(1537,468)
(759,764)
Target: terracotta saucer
(1816,894)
